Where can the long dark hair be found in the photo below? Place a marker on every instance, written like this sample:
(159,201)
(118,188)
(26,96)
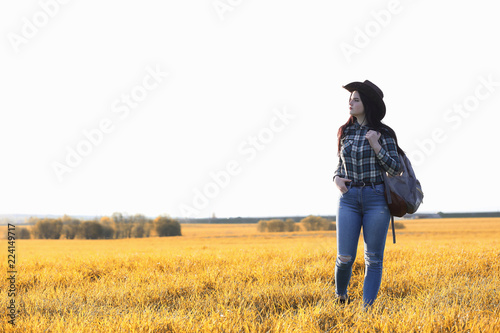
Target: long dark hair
(373,121)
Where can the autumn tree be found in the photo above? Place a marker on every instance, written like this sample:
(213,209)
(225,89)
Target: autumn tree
(48,228)
(166,226)
(312,222)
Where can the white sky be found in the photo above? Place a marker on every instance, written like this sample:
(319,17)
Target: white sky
(229,74)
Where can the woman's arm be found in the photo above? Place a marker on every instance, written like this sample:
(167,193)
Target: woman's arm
(338,171)
(339,178)
(386,152)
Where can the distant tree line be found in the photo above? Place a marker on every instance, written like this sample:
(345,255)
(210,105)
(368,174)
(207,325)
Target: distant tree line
(469,215)
(107,227)
(309,223)
(245,220)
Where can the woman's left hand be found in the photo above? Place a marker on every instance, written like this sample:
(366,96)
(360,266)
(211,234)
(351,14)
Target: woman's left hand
(372,137)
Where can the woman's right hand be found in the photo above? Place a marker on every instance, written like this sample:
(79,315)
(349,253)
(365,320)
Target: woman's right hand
(341,184)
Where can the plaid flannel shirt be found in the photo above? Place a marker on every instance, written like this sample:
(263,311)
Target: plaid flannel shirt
(358,161)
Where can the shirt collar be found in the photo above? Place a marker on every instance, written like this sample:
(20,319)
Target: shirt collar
(357,126)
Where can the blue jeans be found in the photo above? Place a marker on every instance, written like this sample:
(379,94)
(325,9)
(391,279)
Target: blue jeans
(361,207)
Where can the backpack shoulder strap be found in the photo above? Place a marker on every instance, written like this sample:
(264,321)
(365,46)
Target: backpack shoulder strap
(393,231)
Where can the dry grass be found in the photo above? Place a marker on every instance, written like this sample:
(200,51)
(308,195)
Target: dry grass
(441,276)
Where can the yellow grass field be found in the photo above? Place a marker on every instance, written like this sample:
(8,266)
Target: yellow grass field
(442,275)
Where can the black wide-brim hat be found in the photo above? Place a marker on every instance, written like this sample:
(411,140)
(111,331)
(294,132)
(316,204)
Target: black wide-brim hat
(372,92)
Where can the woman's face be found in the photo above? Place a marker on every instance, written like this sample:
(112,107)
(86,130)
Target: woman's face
(356,107)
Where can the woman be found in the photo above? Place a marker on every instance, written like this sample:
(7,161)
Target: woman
(366,147)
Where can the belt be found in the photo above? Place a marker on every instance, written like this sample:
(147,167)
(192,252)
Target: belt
(363,184)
